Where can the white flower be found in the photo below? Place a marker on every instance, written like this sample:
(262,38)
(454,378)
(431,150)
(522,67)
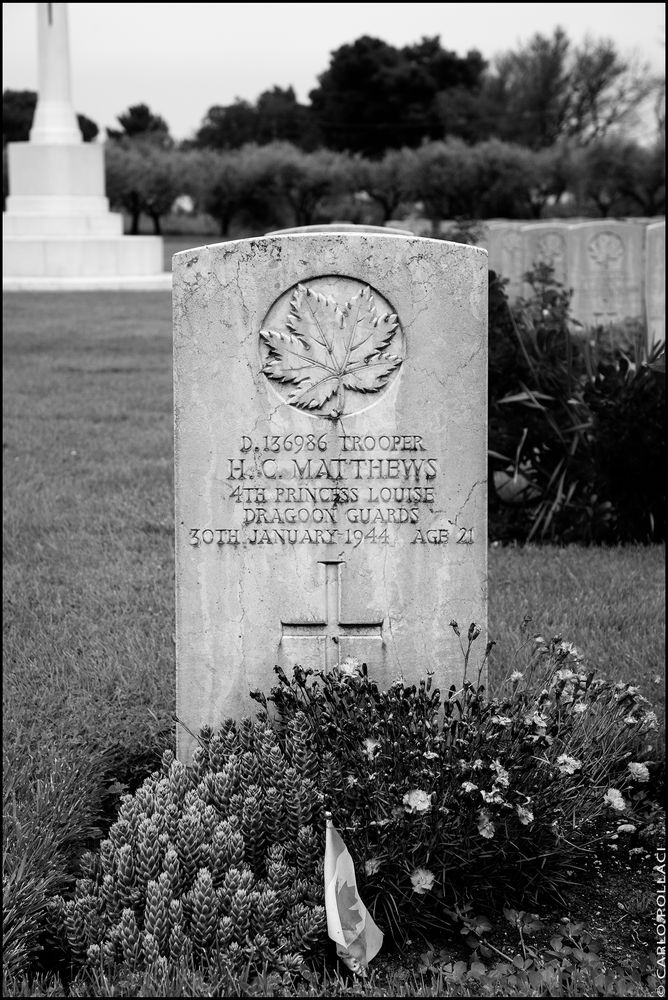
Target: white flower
(422,880)
(372,866)
(639,772)
(650,721)
(613,798)
(351,781)
(579,708)
(370,747)
(570,650)
(430,755)
(477,764)
(516,676)
(565,674)
(626,828)
(502,720)
(568,765)
(485,825)
(350,667)
(417,801)
(501,774)
(525,814)
(494,796)
(468,786)
(538,720)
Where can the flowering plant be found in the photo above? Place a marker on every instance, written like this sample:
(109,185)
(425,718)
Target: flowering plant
(444,797)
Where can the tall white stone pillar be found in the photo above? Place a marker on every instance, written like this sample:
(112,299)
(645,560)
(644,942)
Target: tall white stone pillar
(57,226)
(55,121)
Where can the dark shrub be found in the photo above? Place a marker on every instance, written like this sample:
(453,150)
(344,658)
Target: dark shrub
(576,429)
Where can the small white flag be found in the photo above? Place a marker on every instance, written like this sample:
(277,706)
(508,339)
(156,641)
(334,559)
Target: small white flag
(349,923)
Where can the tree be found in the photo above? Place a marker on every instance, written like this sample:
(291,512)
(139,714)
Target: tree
(375,97)
(304,180)
(507,176)
(160,182)
(642,176)
(89,129)
(388,181)
(123,173)
(555,174)
(280,117)
(277,116)
(141,178)
(139,122)
(219,183)
(18,110)
(548,90)
(228,126)
(622,178)
(446,178)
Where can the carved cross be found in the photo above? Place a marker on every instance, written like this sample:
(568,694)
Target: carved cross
(333,627)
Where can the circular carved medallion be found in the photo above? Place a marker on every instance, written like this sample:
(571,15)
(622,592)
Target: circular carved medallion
(552,248)
(329,344)
(606,249)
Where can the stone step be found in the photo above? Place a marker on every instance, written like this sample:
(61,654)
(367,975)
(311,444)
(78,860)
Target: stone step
(31,224)
(81,256)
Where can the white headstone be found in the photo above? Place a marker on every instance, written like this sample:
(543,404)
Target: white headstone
(503,239)
(330,454)
(607,263)
(655,281)
(548,243)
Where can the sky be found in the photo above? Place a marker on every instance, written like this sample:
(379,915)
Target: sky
(181,59)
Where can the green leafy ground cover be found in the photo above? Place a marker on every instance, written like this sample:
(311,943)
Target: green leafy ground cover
(88,601)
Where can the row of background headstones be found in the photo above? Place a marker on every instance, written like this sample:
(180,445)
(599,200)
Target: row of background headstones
(616,268)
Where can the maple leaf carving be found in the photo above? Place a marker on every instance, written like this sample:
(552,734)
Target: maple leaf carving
(327,348)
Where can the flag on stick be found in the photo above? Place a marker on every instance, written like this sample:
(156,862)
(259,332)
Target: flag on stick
(349,923)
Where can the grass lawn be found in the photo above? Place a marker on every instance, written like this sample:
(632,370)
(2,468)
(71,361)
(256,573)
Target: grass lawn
(89,578)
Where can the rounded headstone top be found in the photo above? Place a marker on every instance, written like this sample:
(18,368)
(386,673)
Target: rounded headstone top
(341,227)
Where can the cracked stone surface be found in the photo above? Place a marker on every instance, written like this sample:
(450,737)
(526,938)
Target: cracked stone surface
(308,532)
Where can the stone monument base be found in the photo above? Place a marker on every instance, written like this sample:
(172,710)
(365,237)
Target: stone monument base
(58,225)
(81,256)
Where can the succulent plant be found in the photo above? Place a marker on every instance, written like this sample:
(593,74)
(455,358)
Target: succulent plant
(217,862)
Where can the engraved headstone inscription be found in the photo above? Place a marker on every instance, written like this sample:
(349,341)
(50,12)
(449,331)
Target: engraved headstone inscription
(330,461)
(607,261)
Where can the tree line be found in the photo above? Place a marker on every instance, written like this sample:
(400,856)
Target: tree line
(375,96)
(278,184)
(539,129)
